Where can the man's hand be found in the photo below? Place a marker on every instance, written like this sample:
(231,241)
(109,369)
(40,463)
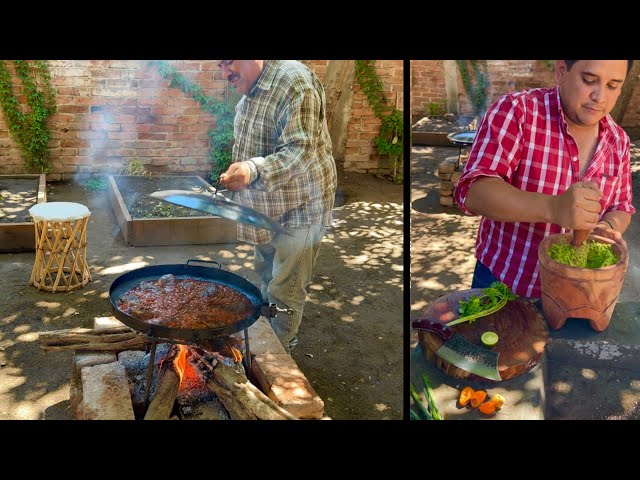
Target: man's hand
(237,177)
(604,230)
(578,208)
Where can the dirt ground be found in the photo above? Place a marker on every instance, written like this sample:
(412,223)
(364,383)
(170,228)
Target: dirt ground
(351,338)
(17,195)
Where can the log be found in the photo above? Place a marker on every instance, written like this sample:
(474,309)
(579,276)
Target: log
(237,411)
(113,339)
(167,388)
(522,333)
(244,393)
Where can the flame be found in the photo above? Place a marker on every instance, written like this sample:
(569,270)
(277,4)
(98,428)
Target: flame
(184,369)
(180,363)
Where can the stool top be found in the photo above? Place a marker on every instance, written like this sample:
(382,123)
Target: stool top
(58,211)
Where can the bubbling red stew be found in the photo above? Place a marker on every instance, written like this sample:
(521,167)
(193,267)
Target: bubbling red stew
(185,303)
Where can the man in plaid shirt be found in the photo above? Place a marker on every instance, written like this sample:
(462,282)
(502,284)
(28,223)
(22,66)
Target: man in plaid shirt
(543,162)
(283,167)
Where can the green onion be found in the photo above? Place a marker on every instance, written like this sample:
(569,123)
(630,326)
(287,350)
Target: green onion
(431,399)
(423,410)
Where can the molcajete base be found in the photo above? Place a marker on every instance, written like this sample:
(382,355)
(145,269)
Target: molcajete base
(572,292)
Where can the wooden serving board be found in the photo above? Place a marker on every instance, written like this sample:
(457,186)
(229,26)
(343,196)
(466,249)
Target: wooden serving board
(522,330)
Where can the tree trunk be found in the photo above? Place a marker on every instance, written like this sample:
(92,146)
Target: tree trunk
(627,92)
(338,86)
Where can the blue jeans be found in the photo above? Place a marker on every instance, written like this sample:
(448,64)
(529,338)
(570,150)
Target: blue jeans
(482,276)
(285,266)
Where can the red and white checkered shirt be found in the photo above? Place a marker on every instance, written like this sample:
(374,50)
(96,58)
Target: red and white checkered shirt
(523,139)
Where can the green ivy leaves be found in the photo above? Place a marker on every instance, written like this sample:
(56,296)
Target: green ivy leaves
(221,137)
(29,130)
(390,137)
(477,88)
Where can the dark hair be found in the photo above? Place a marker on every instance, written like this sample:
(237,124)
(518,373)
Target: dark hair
(571,62)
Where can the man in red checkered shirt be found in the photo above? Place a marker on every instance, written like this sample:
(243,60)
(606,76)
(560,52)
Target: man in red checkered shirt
(546,161)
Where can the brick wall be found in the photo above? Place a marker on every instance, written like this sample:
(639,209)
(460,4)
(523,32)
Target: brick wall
(522,74)
(427,86)
(110,112)
(361,154)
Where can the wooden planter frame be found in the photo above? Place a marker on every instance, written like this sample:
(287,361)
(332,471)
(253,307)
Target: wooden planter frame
(139,232)
(20,237)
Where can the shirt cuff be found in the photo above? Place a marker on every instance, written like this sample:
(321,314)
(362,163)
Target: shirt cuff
(253,164)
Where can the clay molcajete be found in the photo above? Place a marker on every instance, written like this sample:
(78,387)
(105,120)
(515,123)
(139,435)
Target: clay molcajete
(573,292)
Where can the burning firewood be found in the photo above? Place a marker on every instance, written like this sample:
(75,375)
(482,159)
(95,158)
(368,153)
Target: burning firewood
(167,388)
(241,398)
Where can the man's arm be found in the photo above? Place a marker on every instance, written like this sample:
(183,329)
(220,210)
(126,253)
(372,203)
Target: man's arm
(578,208)
(299,123)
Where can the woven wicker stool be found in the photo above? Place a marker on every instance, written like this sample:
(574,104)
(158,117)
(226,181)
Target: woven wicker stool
(61,246)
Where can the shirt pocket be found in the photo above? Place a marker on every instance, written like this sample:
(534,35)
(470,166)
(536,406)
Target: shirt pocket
(608,185)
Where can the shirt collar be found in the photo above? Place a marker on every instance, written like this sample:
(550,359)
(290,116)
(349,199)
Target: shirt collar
(266,78)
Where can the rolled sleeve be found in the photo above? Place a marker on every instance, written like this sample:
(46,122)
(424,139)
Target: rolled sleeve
(496,150)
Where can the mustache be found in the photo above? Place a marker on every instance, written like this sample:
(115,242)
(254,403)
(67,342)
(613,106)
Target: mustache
(232,77)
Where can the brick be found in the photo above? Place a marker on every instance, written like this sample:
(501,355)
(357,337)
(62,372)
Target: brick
(283,382)
(448,165)
(263,340)
(103,323)
(106,394)
(446,201)
(455,176)
(445,185)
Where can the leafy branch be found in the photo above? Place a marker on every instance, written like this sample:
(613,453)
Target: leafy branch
(220,137)
(390,137)
(29,130)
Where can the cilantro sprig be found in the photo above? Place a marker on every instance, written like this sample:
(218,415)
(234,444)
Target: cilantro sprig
(492,299)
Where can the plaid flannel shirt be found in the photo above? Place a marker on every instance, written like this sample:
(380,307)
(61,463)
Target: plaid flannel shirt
(280,130)
(523,139)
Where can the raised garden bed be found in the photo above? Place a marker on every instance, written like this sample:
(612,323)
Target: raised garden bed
(433,130)
(19,193)
(146,221)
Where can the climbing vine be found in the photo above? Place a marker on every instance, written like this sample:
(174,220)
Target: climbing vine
(475,87)
(29,129)
(220,137)
(390,137)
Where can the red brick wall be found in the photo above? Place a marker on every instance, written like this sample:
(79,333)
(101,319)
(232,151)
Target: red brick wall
(110,112)
(427,86)
(523,73)
(361,154)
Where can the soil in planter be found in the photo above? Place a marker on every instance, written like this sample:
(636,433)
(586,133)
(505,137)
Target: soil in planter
(135,193)
(442,123)
(17,196)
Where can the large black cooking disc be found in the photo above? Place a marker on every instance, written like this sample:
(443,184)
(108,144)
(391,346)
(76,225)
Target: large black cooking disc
(127,281)
(221,206)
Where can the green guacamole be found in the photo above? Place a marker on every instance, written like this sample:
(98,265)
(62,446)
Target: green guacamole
(590,255)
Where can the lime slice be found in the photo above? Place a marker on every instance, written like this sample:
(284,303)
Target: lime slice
(489,338)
